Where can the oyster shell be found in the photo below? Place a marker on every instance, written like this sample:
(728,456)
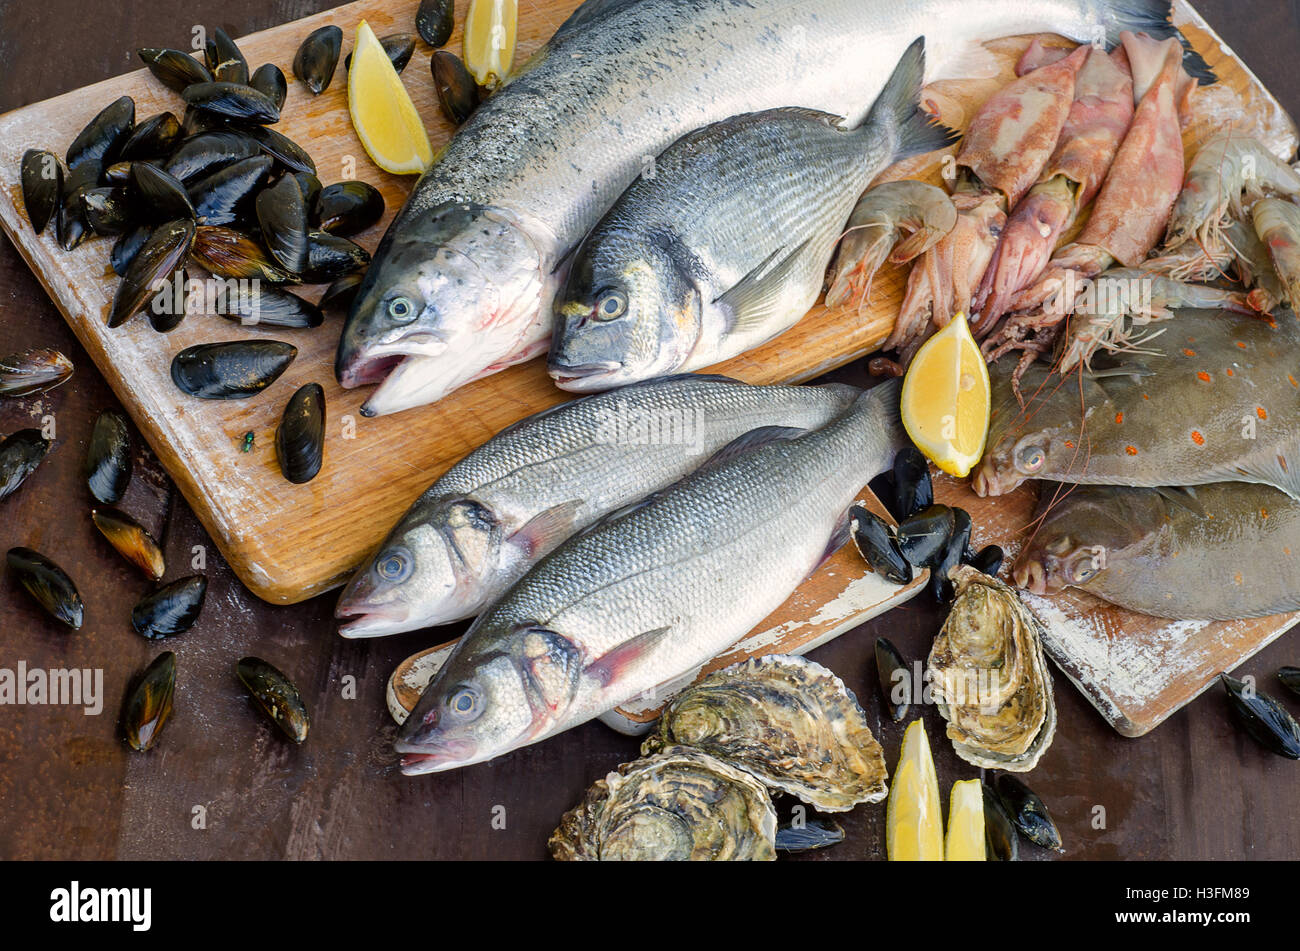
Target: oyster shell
(677,805)
(989,676)
(788,721)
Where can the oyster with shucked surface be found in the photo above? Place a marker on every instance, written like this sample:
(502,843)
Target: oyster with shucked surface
(681,804)
(990,678)
(787,720)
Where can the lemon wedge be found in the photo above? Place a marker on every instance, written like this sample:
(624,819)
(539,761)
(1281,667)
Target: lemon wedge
(946,397)
(490,27)
(965,842)
(382,111)
(913,822)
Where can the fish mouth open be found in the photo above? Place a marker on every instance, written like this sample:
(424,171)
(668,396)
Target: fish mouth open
(435,757)
(361,621)
(367,370)
(586,376)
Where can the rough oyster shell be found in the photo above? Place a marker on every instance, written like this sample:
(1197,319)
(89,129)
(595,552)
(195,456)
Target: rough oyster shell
(790,722)
(989,676)
(680,804)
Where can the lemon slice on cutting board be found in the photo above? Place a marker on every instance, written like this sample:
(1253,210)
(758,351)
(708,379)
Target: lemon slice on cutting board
(382,112)
(965,841)
(913,818)
(946,398)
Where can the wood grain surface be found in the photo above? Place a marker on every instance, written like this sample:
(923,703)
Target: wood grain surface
(1195,789)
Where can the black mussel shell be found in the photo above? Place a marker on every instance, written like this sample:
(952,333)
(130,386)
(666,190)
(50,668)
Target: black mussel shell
(923,538)
(875,542)
(224,58)
(348,208)
(1290,677)
(1001,842)
(148,702)
(270,306)
(232,101)
(156,261)
(435,21)
(231,371)
(1263,718)
(159,195)
(33,371)
(196,121)
(131,540)
(42,176)
(331,257)
(1029,813)
(282,215)
(341,293)
(48,584)
(941,585)
(895,679)
(310,187)
(108,457)
(283,149)
(300,438)
(399,48)
(70,226)
(270,82)
(276,695)
(318,57)
(103,138)
(913,490)
(154,138)
(988,560)
(170,610)
(127,247)
(458,93)
(206,152)
(119,173)
(107,211)
(812,833)
(225,252)
(226,196)
(170,304)
(21,453)
(174,69)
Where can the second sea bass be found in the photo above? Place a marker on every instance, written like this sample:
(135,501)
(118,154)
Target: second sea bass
(653,592)
(463,283)
(509,502)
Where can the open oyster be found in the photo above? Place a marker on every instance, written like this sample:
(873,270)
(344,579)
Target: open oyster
(790,722)
(989,676)
(680,804)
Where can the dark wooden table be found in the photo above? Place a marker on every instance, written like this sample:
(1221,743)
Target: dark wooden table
(1196,788)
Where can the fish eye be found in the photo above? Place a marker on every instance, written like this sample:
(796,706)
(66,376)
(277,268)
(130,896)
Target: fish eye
(1030,459)
(612,306)
(1083,570)
(401,310)
(395,566)
(464,702)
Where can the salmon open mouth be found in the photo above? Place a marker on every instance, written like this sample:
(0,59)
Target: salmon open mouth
(366,371)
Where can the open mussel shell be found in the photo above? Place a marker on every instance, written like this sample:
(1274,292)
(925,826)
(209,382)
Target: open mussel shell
(913,490)
(989,560)
(102,139)
(300,437)
(231,371)
(1263,718)
(131,540)
(270,306)
(224,58)
(225,252)
(276,695)
(941,585)
(347,208)
(148,702)
(156,261)
(170,610)
(174,69)
(283,149)
(895,679)
(330,257)
(318,57)
(42,178)
(206,152)
(161,196)
(226,196)
(282,216)
(21,453)
(70,226)
(169,306)
(270,82)
(108,457)
(341,293)
(875,542)
(154,138)
(1001,842)
(127,246)
(33,371)
(458,93)
(808,834)
(1290,677)
(923,538)
(107,211)
(435,21)
(1028,812)
(232,101)
(48,584)
(398,47)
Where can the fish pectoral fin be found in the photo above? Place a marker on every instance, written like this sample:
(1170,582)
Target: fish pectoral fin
(1184,497)
(756,298)
(544,531)
(839,538)
(748,442)
(614,664)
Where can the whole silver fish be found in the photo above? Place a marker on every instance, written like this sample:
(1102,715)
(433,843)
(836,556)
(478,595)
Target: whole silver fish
(463,283)
(651,593)
(509,502)
(727,244)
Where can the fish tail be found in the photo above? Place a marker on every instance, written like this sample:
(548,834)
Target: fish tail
(898,110)
(1153,18)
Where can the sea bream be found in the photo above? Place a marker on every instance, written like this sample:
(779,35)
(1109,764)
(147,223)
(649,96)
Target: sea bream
(515,498)
(462,284)
(652,592)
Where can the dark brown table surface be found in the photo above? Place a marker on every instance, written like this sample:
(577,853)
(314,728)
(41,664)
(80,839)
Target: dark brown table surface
(1196,788)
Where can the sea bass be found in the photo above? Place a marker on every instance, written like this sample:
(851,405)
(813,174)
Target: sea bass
(462,284)
(726,246)
(1215,397)
(1229,550)
(653,591)
(477,529)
